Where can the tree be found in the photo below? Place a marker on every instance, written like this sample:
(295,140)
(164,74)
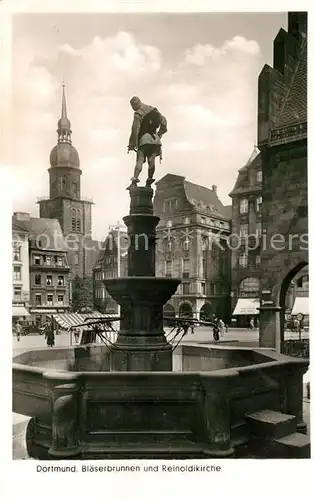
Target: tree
(82,294)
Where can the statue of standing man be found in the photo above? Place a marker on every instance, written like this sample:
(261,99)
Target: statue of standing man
(148,127)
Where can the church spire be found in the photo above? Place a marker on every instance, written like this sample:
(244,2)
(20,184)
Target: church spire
(64,124)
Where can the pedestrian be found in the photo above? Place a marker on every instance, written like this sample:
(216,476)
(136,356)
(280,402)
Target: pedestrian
(18,329)
(251,323)
(216,331)
(221,326)
(76,335)
(49,334)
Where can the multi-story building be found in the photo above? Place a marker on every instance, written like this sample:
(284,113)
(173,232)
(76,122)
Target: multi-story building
(65,202)
(193,246)
(48,266)
(246,247)
(20,271)
(282,140)
(108,266)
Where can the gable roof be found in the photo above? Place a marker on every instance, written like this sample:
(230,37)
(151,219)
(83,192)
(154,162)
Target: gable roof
(242,184)
(294,106)
(204,199)
(46,231)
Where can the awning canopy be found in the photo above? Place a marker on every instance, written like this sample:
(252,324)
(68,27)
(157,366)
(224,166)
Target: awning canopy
(67,320)
(18,311)
(43,311)
(246,307)
(301,305)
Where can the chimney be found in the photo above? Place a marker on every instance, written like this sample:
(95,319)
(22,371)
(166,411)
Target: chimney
(214,188)
(22,216)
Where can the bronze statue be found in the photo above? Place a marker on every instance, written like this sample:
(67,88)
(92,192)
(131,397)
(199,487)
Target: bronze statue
(148,127)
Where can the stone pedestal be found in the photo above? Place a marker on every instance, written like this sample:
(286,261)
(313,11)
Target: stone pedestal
(141,344)
(269,327)
(64,388)
(294,394)
(217,414)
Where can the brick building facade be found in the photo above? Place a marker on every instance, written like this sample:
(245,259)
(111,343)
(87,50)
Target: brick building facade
(192,245)
(282,140)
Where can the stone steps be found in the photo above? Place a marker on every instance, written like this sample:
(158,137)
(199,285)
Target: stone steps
(274,435)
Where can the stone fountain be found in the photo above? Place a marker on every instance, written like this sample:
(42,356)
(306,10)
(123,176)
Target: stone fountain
(127,401)
(141,342)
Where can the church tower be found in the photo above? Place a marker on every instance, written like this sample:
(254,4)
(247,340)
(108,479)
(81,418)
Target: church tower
(64,202)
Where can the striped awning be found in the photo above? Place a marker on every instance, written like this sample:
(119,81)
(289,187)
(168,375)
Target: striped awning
(68,320)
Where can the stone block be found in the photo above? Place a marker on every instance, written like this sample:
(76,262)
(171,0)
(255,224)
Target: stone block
(271,424)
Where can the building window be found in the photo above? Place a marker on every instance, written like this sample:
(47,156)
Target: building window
(258,229)
(186,288)
(60,300)
(170,205)
(59,261)
(249,285)
(169,245)
(187,220)
(16,253)
(186,245)
(244,230)
(49,280)
(259,176)
(203,287)
(49,300)
(37,279)
(48,260)
(76,259)
(243,259)
(257,260)
(37,260)
(60,280)
(186,268)
(38,299)
(169,268)
(73,219)
(259,201)
(203,220)
(17,293)
(213,288)
(204,268)
(78,221)
(17,275)
(244,205)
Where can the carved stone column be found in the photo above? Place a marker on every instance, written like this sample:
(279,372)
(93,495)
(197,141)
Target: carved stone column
(269,326)
(294,392)
(64,390)
(217,391)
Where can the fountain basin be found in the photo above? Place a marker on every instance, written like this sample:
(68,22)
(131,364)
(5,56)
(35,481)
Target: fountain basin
(199,412)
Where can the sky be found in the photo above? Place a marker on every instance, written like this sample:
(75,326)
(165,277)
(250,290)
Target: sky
(200,70)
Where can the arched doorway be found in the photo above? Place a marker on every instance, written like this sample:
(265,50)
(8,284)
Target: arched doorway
(206,312)
(291,347)
(248,293)
(170,313)
(186,310)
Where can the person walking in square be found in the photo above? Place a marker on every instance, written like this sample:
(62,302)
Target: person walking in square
(18,329)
